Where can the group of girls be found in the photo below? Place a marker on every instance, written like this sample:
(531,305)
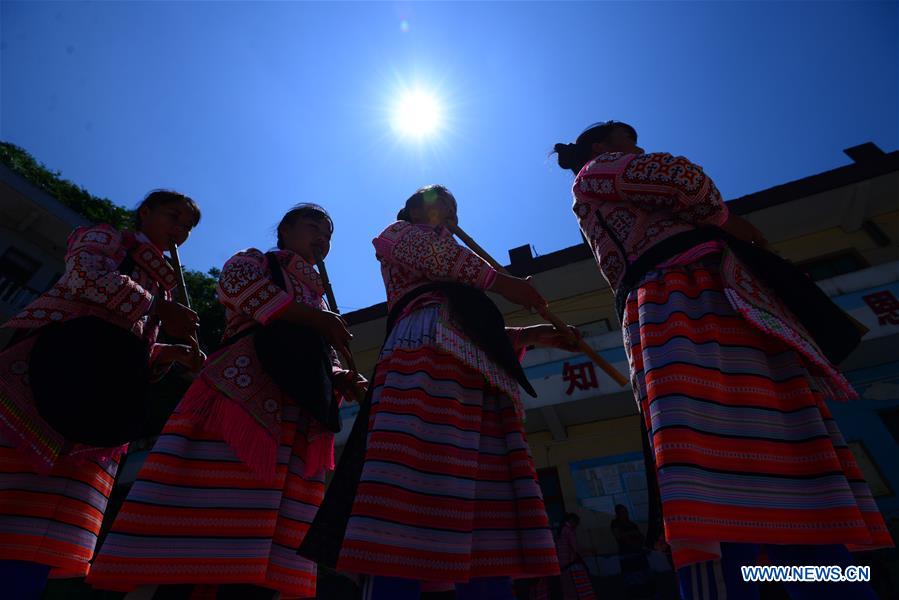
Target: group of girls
(436,488)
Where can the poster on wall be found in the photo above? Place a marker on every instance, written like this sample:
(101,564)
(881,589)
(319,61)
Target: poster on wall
(601,483)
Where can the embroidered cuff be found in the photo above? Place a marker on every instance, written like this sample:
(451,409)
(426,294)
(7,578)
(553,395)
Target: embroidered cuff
(486,277)
(273,307)
(131,303)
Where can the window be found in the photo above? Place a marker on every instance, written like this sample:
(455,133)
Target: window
(16,270)
(17,267)
(836,264)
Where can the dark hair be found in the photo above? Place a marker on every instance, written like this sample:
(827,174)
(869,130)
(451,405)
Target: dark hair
(569,518)
(620,507)
(303,211)
(417,199)
(162,197)
(575,156)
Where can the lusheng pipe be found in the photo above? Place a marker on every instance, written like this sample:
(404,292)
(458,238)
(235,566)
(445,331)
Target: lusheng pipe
(182,289)
(332,301)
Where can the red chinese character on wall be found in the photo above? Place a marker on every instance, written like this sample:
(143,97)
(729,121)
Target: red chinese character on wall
(884,305)
(580,376)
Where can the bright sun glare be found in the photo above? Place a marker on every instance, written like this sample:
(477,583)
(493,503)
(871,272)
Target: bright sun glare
(417,114)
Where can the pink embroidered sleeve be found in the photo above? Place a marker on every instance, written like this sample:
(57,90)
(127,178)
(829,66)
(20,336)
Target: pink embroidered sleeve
(657,181)
(245,286)
(434,254)
(92,260)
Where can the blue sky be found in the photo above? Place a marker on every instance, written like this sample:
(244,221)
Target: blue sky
(253,107)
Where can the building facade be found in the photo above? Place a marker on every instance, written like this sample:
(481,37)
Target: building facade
(34,228)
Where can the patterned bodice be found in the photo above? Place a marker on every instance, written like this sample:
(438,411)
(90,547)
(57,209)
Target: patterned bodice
(627,203)
(412,255)
(93,286)
(250,296)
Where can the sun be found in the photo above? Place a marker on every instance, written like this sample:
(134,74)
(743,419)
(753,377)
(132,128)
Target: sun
(417,114)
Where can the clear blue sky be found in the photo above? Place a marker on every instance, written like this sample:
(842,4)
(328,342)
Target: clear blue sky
(253,107)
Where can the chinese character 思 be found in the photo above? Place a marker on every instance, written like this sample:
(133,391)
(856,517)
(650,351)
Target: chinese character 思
(884,305)
(580,376)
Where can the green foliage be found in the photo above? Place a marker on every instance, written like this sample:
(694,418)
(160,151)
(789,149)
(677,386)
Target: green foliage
(98,210)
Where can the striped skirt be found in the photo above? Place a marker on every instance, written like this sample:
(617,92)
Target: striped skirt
(52,519)
(576,583)
(197,515)
(448,490)
(745,449)
(51,502)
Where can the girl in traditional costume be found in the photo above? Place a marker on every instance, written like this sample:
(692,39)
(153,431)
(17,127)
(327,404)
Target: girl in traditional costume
(436,483)
(730,370)
(228,491)
(90,339)
(575,577)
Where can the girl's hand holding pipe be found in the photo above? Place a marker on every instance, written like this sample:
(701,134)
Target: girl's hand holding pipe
(349,384)
(518,291)
(199,357)
(178,321)
(334,329)
(549,336)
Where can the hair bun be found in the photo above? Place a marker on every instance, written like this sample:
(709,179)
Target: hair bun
(568,155)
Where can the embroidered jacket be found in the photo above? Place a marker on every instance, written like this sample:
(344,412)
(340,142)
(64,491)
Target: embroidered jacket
(243,403)
(91,286)
(412,255)
(251,297)
(627,203)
